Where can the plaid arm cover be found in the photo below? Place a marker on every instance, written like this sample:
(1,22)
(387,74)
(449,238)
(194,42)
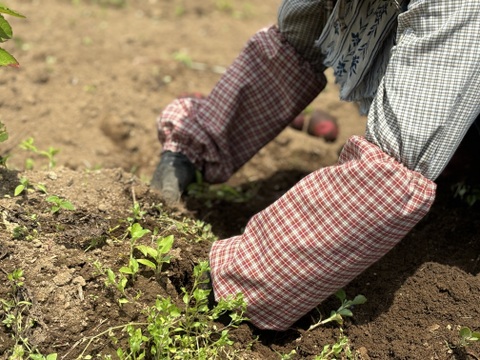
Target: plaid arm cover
(320,235)
(259,95)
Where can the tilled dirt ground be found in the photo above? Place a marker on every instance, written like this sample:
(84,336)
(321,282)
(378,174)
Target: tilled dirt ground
(92,80)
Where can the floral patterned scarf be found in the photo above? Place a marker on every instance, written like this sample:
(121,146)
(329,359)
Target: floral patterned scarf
(356,43)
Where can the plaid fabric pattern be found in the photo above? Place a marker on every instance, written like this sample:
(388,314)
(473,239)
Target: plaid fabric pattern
(301,23)
(259,95)
(325,231)
(430,94)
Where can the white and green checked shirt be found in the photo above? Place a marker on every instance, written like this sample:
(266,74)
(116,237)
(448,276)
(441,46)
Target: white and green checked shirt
(412,66)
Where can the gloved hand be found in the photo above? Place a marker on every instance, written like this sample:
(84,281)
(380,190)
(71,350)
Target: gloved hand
(173,174)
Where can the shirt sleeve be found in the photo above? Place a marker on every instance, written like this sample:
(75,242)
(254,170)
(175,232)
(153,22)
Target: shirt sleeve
(430,93)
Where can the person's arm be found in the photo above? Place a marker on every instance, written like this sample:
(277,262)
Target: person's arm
(430,94)
(339,220)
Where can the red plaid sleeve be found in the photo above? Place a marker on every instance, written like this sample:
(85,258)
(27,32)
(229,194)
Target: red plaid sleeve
(259,95)
(320,235)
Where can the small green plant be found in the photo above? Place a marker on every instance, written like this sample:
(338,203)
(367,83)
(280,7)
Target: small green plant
(136,232)
(175,332)
(468,193)
(200,230)
(119,281)
(41,187)
(468,337)
(343,310)
(6,33)
(340,350)
(120,284)
(188,333)
(137,213)
(3,132)
(26,186)
(23,186)
(184,58)
(29,145)
(19,232)
(6,59)
(111,279)
(59,203)
(211,193)
(16,318)
(159,253)
(291,355)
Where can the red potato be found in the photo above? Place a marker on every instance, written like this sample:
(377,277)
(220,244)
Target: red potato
(319,124)
(323,125)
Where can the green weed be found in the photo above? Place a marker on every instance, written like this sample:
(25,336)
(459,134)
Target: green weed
(465,192)
(19,232)
(29,145)
(211,193)
(26,186)
(3,132)
(291,355)
(119,281)
(23,186)
(3,137)
(468,337)
(340,350)
(16,318)
(197,229)
(183,58)
(159,253)
(6,59)
(136,232)
(155,257)
(173,332)
(189,333)
(137,213)
(343,310)
(59,204)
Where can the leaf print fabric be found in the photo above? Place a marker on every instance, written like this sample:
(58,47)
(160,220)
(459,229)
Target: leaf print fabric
(356,43)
